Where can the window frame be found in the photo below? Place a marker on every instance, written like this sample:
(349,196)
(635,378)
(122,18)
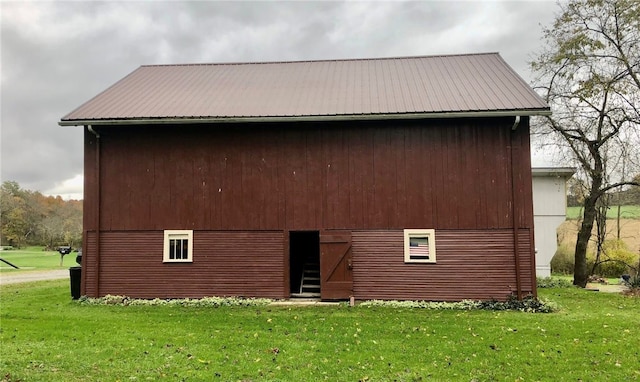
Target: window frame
(177,234)
(431,238)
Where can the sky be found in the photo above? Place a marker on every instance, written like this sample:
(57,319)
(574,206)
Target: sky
(57,55)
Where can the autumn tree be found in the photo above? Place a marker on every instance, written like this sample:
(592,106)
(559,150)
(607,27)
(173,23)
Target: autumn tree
(589,73)
(29,217)
(62,221)
(18,217)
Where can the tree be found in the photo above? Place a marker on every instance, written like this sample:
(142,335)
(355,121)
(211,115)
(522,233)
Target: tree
(576,190)
(19,220)
(632,196)
(28,217)
(589,73)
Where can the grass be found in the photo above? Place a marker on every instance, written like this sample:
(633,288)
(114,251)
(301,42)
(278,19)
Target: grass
(35,259)
(45,336)
(626,212)
(610,280)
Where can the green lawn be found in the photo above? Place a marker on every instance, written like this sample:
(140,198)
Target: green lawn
(569,278)
(34,258)
(45,336)
(626,212)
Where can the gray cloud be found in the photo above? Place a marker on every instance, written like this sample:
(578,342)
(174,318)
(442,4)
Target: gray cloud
(57,55)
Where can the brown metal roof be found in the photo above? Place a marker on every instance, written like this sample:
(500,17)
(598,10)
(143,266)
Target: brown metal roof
(407,87)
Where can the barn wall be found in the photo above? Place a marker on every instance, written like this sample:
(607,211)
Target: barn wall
(230,182)
(89,274)
(471,264)
(445,174)
(247,264)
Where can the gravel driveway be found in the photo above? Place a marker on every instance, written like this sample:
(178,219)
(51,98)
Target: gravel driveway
(24,277)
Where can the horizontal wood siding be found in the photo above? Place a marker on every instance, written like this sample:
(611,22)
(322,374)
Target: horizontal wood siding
(527,262)
(448,174)
(471,264)
(247,264)
(89,273)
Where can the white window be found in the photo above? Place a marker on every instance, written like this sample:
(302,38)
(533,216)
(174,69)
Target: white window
(178,246)
(419,246)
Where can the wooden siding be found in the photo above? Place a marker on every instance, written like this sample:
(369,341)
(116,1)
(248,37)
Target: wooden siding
(526,251)
(242,188)
(445,174)
(89,276)
(471,264)
(247,264)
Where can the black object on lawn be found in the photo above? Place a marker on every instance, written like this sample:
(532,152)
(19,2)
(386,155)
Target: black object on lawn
(75,274)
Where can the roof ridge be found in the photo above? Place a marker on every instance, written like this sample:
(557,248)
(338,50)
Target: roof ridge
(323,60)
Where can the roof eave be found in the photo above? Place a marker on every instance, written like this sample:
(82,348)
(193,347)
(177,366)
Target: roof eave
(310,118)
(554,171)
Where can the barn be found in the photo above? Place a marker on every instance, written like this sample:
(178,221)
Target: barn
(388,178)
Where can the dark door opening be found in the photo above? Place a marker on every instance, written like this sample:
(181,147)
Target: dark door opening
(304,260)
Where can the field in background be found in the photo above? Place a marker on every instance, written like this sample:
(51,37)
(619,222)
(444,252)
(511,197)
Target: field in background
(629,233)
(626,212)
(35,259)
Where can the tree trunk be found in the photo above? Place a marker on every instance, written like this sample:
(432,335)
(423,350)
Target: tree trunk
(618,216)
(580,271)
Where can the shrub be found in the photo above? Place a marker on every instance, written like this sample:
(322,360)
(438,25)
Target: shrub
(528,304)
(431,305)
(634,282)
(553,282)
(616,259)
(563,260)
(208,302)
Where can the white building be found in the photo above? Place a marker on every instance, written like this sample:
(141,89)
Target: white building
(549,211)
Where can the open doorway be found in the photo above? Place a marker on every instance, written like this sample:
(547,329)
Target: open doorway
(304,260)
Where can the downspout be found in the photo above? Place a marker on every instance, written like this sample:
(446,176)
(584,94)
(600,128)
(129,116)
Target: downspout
(516,123)
(97,204)
(514,210)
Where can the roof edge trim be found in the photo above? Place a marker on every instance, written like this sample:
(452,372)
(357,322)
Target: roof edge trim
(310,118)
(554,171)
(388,58)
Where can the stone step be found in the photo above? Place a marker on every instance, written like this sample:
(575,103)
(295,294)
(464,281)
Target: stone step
(305,295)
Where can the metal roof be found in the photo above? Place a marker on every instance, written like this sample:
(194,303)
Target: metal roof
(405,87)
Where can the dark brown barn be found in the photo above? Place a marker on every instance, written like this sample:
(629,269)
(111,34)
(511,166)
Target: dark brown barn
(395,178)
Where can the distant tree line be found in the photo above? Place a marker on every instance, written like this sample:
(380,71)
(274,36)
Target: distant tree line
(31,218)
(624,196)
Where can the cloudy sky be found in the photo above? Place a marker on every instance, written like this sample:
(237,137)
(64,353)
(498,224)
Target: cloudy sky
(57,55)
